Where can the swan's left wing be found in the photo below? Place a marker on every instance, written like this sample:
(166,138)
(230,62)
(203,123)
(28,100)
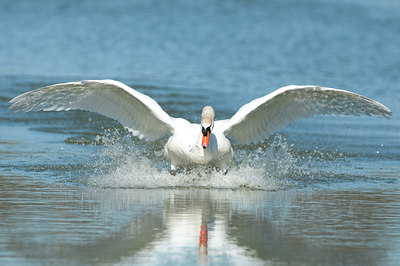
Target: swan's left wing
(258,119)
(138,112)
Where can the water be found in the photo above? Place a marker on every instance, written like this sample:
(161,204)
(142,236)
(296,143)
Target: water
(76,188)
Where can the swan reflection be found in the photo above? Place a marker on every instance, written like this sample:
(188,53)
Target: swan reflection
(204,226)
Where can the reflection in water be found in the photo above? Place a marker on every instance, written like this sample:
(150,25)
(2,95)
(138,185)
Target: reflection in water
(203,243)
(79,225)
(321,227)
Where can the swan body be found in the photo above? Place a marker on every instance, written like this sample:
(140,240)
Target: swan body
(207,142)
(184,147)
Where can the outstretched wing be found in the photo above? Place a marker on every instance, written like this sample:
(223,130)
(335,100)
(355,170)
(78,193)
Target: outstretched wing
(258,119)
(134,110)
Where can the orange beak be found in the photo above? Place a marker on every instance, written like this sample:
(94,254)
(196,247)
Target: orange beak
(205,140)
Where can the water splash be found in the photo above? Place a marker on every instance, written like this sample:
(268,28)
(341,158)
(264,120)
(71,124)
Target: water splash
(125,162)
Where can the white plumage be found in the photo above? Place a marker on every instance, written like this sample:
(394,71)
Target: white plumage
(143,116)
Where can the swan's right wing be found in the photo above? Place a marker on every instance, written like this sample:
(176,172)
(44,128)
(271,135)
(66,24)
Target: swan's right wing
(261,117)
(134,110)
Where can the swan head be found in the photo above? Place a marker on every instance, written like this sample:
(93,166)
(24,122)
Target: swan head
(207,124)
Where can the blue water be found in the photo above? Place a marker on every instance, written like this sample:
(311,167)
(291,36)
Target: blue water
(76,188)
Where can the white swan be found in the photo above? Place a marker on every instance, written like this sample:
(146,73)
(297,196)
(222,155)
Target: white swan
(204,143)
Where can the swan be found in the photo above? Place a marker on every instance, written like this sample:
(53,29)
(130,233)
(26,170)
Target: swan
(207,142)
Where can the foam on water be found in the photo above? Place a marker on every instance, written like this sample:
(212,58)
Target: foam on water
(122,163)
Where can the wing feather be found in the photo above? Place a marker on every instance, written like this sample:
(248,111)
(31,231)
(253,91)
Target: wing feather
(134,110)
(258,119)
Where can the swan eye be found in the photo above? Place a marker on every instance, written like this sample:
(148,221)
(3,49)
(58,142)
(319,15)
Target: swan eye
(205,130)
